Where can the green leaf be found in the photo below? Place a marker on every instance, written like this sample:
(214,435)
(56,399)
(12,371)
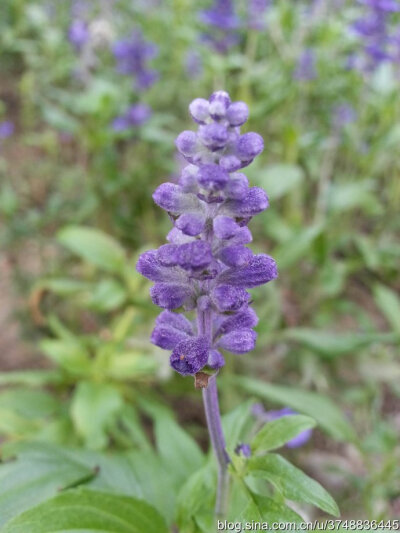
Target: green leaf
(29,403)
(107,295)
(278,432)
(279,179)
(292,250)
(88,510)
(180,454)
(37,474)
(234,424)
(329,344)
(94,406)
(31,378)
(317,406)
(196,498)
(346,196)
(131,365)
(64,286)
(389,303)
(264,509)
(70,354)
(292,482)
(94,246)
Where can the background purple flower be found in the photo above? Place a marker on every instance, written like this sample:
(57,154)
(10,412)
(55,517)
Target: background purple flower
(6,129)
(135,115)
(222,23)
(256,10)
(305,69)
(267,416)
(78,34)
(132,56)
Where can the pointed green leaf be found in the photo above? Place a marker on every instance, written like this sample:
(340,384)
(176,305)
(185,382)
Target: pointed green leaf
(179,452)
(94,246)
(93,407)
(88,510)
(389,304)
(317,406)
(38,473)
(292,482)
(278,432)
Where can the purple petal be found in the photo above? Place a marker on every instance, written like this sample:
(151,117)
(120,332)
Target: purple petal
(191,223)
(175,320)
(237,187)
(194,255)
(212,177)
(225,227)
(241,320)
(190,356)
(237,255)
(260,269)
(215,359)
(172,198)
(253,203)
(169,295)
(229,298)
(238,341)
(237,113)
(249,146)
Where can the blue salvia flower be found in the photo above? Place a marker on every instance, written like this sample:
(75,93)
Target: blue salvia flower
(256,10)
(78,33)
(132,56)
(135,115)
(374,30)
(6,129)
(267,416)
(206,266)
(305,68)
(222,23)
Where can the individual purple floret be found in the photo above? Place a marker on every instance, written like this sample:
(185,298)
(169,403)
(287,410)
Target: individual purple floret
(243,449)
(132,56)
(206,266)
(135,115)
(78,34)
(267,416)
(223,24)
(305,69)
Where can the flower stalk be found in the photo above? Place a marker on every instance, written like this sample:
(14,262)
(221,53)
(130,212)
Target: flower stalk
(213,416)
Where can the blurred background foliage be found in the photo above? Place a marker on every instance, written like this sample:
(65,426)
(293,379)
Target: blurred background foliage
(85,139)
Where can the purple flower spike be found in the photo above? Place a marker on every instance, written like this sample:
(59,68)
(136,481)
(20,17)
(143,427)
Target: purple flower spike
(206,266)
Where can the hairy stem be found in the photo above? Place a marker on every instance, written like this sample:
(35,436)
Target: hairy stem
(213,416)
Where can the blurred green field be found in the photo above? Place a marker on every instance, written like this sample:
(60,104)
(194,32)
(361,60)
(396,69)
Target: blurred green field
(76,210)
